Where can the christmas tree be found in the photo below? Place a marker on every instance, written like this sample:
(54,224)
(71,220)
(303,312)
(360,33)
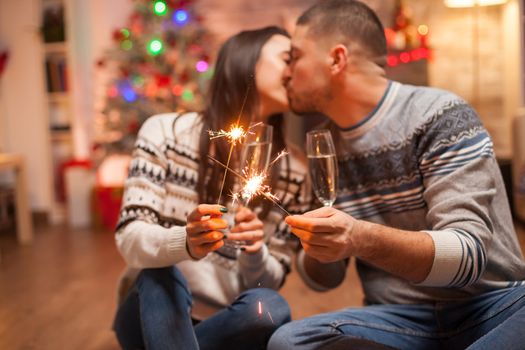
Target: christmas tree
(160,63)
(406,42)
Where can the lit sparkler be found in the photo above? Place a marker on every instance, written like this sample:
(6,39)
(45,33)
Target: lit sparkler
(260,308)
(254,185)
(234,136)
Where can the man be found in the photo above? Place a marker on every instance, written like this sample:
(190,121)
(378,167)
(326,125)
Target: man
(421,203)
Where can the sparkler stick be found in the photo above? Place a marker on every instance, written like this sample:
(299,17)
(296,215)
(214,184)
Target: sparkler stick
(235,134)
(262,190)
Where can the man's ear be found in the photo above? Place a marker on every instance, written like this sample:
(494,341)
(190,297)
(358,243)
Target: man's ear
(339,57)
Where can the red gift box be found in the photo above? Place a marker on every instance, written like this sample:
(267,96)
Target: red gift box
(106,206)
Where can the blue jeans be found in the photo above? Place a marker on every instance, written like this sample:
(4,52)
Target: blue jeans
(156,314)
(495,320)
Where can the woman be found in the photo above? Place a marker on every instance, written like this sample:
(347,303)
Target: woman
(192,292)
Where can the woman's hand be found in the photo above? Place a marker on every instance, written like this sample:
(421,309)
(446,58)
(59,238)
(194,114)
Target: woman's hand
(202,229)
(248,228)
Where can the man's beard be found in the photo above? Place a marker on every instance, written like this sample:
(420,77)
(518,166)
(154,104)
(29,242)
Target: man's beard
(309,102)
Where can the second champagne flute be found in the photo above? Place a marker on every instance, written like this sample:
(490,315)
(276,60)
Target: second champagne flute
(322,164)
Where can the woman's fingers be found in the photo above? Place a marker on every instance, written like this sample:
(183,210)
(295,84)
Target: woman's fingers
(205,238)
(248,236)
(247,226)
(212,224)
(252,248)
(203,210)
(200,251)
(244,215)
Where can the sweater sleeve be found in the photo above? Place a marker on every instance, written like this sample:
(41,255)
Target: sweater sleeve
(261,270)
(144,237)
(460,176)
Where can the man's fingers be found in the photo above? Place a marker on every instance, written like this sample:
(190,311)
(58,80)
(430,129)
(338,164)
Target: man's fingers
(323,212)
(322,254)
(311,238)
(310,224)
(202,210)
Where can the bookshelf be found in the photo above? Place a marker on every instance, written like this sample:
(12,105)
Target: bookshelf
(56,61)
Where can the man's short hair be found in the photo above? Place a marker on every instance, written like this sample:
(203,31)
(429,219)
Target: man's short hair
(347,19)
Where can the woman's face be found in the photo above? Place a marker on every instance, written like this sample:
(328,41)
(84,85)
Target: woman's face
(269,76)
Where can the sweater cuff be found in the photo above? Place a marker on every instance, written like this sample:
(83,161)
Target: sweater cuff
(255,260)
(176,244)
(447,259)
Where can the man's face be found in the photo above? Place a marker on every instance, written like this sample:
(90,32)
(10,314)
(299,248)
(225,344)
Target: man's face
(307,77)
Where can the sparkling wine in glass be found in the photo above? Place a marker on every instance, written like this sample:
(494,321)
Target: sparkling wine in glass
(322,163)
(255,153)
(255,158)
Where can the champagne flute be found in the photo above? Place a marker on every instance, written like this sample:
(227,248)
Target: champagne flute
(322,164)
(255,153)
(254,160)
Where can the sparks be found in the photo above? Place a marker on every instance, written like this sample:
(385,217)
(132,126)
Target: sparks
(234,136)
(270,316)
(253,186)
(281,154)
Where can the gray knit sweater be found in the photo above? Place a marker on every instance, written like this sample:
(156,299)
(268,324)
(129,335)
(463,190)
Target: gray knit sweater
(422,161)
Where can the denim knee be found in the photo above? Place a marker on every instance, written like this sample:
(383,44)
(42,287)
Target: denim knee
(164,276)
(271,303)
(282,338)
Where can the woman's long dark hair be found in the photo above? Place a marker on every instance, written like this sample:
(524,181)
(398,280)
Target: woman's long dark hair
(233,92)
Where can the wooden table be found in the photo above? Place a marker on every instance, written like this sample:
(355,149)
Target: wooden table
(24,225)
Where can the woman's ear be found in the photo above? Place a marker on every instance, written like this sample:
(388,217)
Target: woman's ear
(339,57)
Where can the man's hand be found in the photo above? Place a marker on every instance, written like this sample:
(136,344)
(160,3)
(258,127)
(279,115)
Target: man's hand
(325,233)
(202,229)
(328,235)
(248,228)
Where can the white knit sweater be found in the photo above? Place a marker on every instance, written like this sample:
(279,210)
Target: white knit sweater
(161,191)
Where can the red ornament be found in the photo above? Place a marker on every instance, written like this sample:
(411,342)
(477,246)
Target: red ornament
(118,36)
(184,77)
(133,127)
(163,80)
(101,63)
(124,72)
(194,49)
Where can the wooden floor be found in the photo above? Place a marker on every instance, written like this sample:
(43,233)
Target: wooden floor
(59,293)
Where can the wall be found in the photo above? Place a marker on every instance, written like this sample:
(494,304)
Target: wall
(23,120)
(453,34)
(91,26)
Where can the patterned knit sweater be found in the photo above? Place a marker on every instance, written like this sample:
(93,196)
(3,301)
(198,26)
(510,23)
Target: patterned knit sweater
(422,161)
(159,194)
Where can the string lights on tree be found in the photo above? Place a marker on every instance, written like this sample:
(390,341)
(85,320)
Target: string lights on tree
(160,62)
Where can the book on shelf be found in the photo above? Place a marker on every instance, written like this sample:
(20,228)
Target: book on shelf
(53,26)
(56,74)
